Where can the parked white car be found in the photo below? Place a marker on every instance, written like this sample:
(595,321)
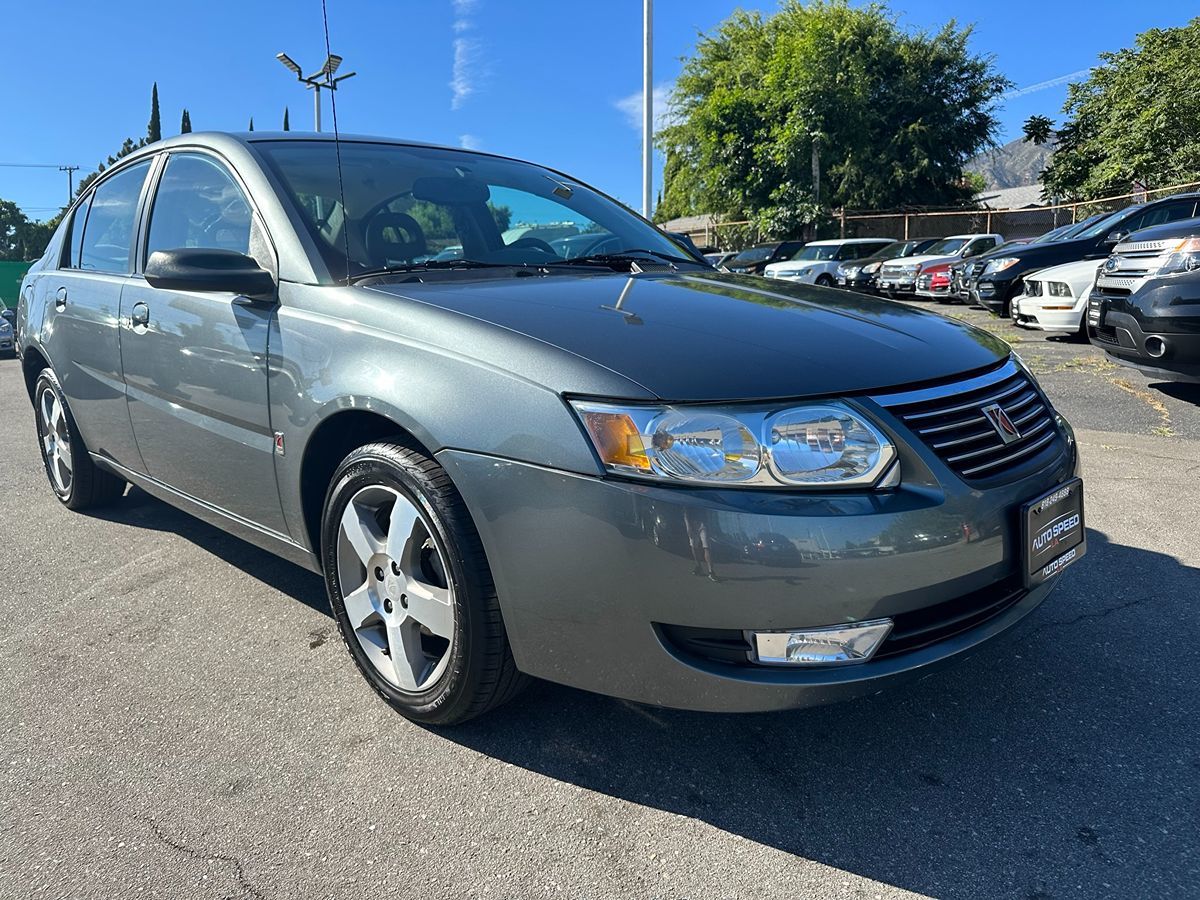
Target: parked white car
(898,277)
(1055,299)
(816,262)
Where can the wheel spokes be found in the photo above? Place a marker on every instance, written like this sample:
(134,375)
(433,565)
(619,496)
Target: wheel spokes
(433,607)
(404,525)
(362,531)
(409,661)
(360,607)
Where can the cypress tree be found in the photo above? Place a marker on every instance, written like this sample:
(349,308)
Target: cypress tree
(252,123)
(185,124)
(286,126)
(154,129)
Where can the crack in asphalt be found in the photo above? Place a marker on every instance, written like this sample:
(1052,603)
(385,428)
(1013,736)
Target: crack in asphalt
(1099,614)
(248,889)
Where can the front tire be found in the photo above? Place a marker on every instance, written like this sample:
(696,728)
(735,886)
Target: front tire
(76,480)
(824,281)
(411,589)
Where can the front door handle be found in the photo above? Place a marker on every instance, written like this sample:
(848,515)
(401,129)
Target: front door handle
(60,299)
(139,316)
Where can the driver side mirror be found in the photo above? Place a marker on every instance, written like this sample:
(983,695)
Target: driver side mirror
(206,269)
(1115,237)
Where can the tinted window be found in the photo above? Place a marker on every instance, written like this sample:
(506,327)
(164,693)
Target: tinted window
(1160,215)
(108,232)
(753,255)
(198,204)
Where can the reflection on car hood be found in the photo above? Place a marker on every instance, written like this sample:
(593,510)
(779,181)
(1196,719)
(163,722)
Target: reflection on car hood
(712,336)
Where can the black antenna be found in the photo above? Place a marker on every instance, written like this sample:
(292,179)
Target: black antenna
(337,147)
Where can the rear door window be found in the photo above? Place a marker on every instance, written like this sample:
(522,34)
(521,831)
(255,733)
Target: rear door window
(107,239)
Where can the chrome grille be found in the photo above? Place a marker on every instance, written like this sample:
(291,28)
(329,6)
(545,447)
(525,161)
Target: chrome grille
(951,422)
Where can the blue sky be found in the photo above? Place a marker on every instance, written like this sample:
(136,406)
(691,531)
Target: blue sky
(539,79)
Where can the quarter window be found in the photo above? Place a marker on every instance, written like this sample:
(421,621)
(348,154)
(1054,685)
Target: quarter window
(111,217)
(198,204)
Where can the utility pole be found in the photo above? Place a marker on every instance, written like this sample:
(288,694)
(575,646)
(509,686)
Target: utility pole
(647,106)
(70,170)
(324,78)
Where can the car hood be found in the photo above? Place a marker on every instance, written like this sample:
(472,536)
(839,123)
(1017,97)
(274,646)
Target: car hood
(716,337)
(1041,255)
(1072,272)
(797,264)
(920,260)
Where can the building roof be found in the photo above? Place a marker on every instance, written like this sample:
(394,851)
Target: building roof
(1019,197)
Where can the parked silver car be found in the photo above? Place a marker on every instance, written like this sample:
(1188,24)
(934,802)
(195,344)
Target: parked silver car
(622,471)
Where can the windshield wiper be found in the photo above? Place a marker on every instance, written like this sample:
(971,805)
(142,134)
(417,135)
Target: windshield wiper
(432,264)
(630,256)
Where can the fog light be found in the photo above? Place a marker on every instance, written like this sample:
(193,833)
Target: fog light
(832,646)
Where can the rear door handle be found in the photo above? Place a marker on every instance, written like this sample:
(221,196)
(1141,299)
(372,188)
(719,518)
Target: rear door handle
(139,315)
(60,299)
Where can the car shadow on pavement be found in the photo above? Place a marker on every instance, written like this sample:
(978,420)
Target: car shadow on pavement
(1180,390)
(1059,761)
(140,510)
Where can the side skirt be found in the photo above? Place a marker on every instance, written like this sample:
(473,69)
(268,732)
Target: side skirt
(271,541)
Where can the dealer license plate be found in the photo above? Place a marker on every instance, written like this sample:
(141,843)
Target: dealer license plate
(1052,532)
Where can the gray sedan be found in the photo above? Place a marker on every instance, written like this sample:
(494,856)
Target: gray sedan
(621,471)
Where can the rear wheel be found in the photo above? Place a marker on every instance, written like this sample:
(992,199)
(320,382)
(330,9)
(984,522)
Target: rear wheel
(411,589)
(824,281)
(76,480)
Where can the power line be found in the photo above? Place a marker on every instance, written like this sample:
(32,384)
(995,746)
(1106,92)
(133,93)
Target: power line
(32,166)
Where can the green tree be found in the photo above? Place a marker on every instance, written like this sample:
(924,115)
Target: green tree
(154,129)
(126,148)
(21,238)
(1038,129)
(286,125)
(185,123)
(1136,117)
(824,105)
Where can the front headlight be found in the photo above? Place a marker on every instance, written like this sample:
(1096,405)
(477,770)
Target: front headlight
(1058,289)
(871,269)
(1185,257)
(808,445)
(999,265)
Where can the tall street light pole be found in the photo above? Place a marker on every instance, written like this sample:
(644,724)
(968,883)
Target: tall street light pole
(320,79)
(647,106)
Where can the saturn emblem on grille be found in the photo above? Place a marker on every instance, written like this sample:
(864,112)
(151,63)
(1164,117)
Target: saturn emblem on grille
(999,420)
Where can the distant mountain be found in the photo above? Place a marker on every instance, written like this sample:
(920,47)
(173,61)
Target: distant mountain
(1016,163)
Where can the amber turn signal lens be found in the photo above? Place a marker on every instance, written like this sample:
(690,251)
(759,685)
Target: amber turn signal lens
(617,440)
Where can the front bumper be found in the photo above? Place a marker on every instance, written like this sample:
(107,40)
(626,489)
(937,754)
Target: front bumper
(994,293)
(864,283)
(1127,339)
(1031,312)
(615,587)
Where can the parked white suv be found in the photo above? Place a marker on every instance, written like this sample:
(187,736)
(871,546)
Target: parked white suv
(817,262)
(1056,298)
(899,276)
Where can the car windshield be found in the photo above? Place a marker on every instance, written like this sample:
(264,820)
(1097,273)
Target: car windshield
(1104,224)
(945,246)
(817,252)
(408,206)
(753,255)
(896,250)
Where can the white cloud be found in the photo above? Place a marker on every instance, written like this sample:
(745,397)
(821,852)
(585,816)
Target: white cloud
(466,53)
(631,107)
(470,142)
(1043,85)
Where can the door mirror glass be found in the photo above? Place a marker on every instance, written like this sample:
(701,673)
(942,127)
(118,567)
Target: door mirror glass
(206,269)
(1115,237)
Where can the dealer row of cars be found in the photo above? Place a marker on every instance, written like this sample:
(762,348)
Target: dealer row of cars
(1129,280)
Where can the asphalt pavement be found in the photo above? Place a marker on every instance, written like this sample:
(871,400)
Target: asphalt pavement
(180,720)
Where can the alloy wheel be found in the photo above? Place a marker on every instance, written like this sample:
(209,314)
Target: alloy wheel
(395,587)
(55,438)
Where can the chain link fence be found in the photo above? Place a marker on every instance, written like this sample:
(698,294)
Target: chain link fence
(1026,222)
